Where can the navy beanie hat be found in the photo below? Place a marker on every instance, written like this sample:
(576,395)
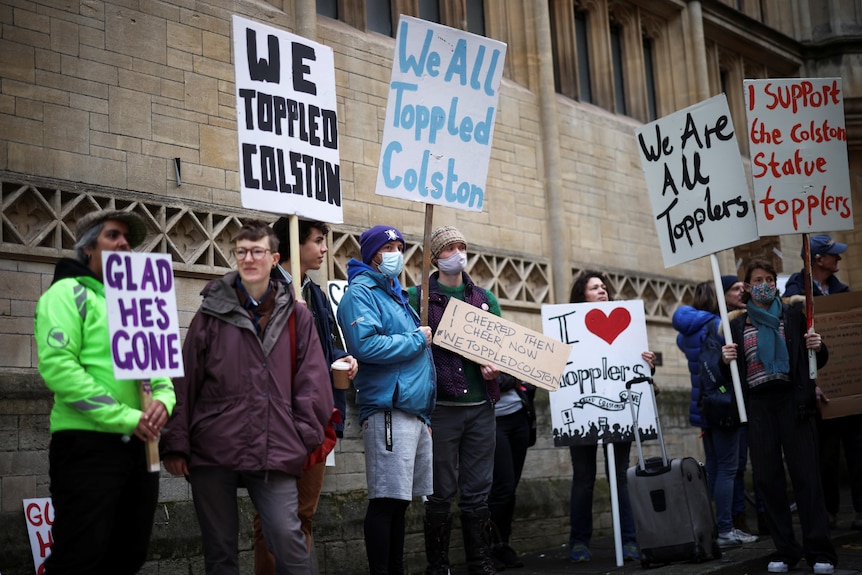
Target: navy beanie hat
(372,240)
(727,282)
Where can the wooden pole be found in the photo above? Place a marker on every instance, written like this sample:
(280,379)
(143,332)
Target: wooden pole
(152,445)
(807,279)
(295,271)
(426,264)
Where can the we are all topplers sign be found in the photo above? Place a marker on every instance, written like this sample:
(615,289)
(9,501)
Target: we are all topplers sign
(799,163)
(287,123)
(696,182)
(606,340)
(440,115)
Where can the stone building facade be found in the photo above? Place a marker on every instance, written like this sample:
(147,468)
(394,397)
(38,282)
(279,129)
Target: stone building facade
(101,99)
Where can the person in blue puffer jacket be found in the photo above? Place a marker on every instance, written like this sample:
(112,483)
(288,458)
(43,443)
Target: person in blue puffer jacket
(395,391)
(725,448)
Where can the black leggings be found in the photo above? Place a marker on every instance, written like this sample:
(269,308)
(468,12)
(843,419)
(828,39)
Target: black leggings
(384,535)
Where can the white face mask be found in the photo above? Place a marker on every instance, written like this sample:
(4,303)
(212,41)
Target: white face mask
(454,264)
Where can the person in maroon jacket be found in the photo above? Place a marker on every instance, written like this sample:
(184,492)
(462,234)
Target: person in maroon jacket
(253,404)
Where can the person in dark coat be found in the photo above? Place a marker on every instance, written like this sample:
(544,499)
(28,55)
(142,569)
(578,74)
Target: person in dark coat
(770,344)
(840,431)
(253,404)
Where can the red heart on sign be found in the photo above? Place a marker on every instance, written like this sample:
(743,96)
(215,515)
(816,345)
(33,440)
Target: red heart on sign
(608,327)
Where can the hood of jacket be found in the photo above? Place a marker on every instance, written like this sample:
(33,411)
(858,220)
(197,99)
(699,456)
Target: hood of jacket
(221,301)
(71,268)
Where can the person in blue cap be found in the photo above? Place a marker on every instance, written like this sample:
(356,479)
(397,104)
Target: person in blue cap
(395,392)
(846,431)
(825,255)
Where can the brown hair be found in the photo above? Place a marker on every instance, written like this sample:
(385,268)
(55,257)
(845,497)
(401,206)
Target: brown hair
(254,230)
(578,294)
(705,298)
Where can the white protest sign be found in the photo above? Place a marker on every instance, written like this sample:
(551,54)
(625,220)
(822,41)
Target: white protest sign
(696,182)
(142,315)
(335,290)
(485,338)
(798,151)
(440,115)
(607,340)
(286,123)
(39,515)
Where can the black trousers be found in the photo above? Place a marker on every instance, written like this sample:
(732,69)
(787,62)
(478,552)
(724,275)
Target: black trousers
(104,501)
(513,437)
(836,433)
(775,427)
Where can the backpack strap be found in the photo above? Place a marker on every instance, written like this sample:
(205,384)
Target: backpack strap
(291,327)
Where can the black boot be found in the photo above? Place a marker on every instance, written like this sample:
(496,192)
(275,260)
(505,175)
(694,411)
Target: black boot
(438,528)
(478,533)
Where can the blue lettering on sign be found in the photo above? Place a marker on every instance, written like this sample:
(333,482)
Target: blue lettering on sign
(441,184)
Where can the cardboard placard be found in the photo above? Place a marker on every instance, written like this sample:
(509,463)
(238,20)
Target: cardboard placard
(440,115)
(696,182)
(838,319)
(287,123)
(607,339)
(39,515)
(799,163)
(485,338)
(142,315)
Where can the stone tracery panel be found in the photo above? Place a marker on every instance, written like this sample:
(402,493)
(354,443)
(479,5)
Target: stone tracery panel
(38,222)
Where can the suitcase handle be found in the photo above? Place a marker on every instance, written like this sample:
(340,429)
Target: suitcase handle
(636,429)
(641,379)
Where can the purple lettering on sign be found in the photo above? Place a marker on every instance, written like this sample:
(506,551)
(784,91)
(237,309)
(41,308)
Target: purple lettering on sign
(144,350)
(129,313)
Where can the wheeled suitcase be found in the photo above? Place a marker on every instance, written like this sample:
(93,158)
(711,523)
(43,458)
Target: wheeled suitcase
(670,502)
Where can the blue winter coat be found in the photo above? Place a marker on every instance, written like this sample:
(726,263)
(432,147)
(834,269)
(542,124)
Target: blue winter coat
(381,330)
(691,324)
(796,286)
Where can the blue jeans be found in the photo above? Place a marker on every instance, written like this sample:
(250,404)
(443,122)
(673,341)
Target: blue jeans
(583,481)
(721,445)
(739,482)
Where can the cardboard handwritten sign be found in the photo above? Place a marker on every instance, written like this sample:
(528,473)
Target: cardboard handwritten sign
(607,339)
(39,515)
(440,115)
(287,123)
(485,338)
(142,315)
(839,321)
(799,160)
(696,182)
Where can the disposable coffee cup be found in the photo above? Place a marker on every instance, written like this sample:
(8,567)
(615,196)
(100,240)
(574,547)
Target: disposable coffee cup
(340,374)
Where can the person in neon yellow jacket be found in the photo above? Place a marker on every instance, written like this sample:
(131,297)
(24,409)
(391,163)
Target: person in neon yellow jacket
(103,495)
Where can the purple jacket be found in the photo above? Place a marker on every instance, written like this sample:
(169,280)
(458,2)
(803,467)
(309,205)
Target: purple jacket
(450,373)
(238,406)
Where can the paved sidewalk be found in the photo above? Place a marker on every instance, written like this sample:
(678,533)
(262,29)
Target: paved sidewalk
(749,560)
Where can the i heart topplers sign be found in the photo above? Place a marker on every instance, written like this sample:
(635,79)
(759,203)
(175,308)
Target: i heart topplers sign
(607,340)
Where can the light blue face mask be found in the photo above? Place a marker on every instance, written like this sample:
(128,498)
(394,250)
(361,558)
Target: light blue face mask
(392,264)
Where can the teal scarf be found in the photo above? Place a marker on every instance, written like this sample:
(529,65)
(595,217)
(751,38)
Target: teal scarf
(771,348)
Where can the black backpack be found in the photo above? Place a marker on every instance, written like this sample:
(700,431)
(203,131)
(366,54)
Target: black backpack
(717,401)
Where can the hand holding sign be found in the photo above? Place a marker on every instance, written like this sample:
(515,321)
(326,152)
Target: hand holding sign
(144,326)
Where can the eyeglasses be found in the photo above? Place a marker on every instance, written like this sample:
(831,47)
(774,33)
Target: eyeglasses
(256,253)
